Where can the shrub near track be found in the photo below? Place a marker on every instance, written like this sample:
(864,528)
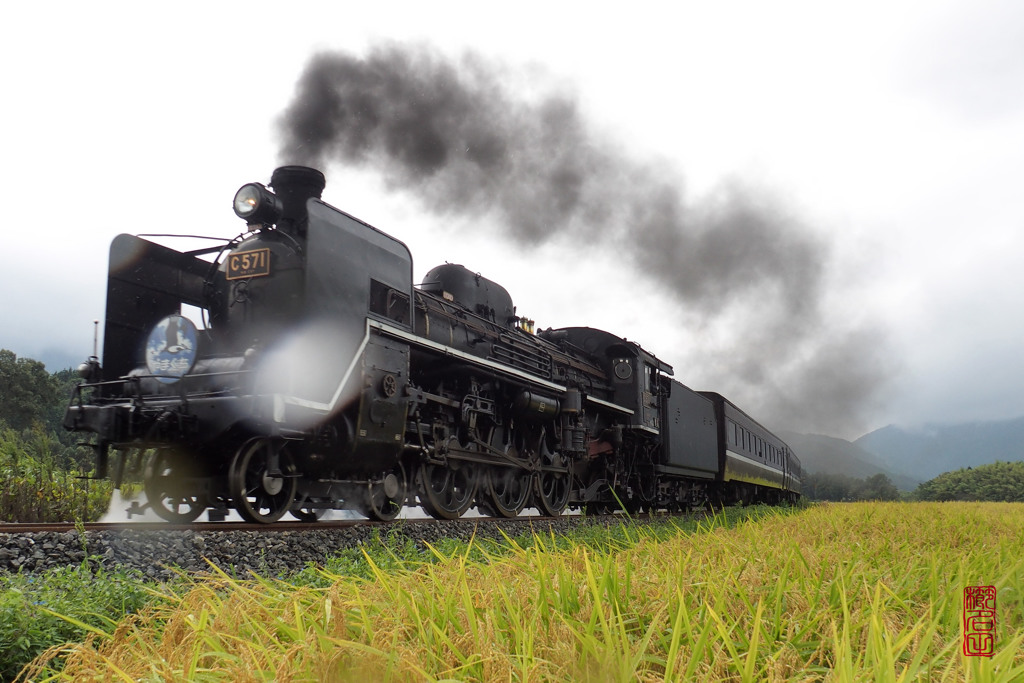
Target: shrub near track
(858,592)
(39,484)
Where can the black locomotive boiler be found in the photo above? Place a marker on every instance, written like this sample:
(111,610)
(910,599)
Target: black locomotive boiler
(297,369)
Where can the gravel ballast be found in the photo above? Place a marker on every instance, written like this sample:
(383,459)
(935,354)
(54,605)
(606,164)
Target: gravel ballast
(155,552)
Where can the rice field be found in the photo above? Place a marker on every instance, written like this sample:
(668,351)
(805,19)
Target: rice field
(842,592)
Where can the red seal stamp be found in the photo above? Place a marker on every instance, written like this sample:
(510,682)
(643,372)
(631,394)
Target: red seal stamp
(979,621)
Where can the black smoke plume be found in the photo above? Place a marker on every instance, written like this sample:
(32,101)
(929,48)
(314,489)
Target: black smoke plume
(452,133)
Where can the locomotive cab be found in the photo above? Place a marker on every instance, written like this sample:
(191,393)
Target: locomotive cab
(638,378)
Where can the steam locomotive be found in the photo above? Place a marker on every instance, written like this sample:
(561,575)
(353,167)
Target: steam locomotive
(297,369)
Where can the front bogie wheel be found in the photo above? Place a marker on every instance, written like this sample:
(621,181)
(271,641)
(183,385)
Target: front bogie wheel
(171,491)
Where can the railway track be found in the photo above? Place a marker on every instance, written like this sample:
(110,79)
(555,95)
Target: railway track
(62,527)
(161,550)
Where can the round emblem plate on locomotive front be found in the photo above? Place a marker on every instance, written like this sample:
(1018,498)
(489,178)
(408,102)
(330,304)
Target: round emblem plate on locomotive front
(171,348)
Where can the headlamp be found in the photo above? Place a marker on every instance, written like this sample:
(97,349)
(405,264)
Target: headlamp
(257,205)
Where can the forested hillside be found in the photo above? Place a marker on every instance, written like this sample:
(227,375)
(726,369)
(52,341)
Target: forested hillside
(931,450)
(1000,481)
(841,487)
(42,468)
(840,460)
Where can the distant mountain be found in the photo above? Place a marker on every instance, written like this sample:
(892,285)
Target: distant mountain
(821,454)
(928,452)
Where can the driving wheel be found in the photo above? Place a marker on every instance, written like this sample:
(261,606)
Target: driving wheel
(446,492)
(552,483)
(508,491)
(262,480)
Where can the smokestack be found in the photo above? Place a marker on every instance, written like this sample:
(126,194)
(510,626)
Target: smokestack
(294,185)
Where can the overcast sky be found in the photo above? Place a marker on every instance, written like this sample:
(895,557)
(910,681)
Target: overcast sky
(890,134)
